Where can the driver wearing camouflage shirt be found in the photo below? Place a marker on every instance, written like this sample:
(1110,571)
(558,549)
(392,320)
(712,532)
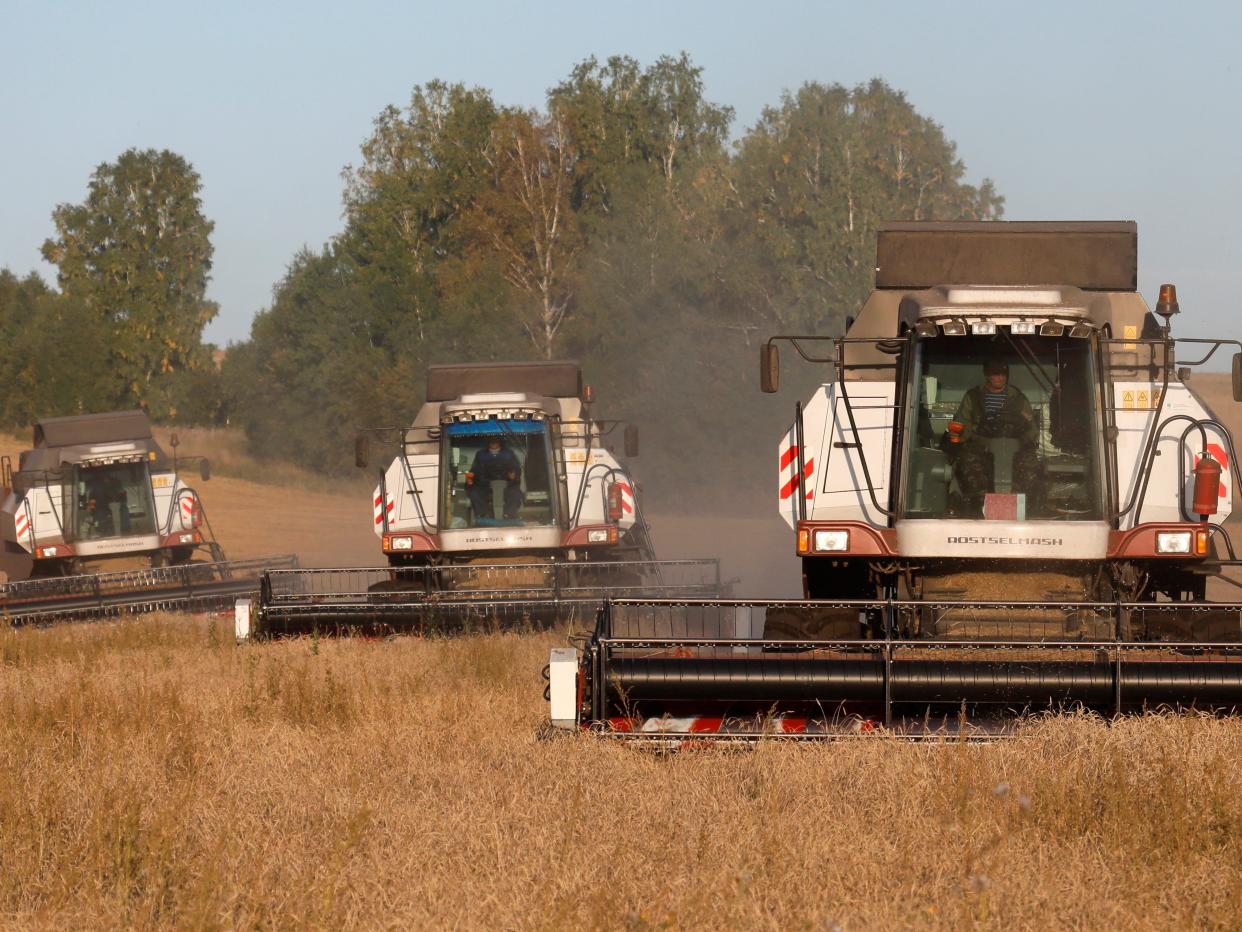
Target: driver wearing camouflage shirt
(993,409)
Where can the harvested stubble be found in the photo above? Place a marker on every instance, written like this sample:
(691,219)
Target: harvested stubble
(152,773)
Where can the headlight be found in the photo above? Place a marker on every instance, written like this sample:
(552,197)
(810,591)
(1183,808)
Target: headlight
(598,535)
(1019,327)
(401,543)
(832,541)
(1173,542)
(983,328)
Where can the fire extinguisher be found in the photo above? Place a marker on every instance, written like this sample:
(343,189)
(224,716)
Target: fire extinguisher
(1207,486)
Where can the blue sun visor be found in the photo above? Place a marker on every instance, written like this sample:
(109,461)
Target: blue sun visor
(493,428)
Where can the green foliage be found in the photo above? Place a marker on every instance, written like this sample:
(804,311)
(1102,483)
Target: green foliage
(136,254)
(811,182)
(616,226)
(620,117)
(55,357)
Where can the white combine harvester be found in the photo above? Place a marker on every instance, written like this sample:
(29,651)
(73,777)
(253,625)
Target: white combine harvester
(98,489)
(1006,496)
(502,502)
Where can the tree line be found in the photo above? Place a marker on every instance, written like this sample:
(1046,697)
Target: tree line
(617,224)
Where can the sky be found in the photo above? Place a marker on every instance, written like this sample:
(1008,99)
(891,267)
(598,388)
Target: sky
(1077,111)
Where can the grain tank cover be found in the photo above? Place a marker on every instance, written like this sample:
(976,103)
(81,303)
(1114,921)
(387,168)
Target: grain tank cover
(85,429)
(550,379)
(1094,256)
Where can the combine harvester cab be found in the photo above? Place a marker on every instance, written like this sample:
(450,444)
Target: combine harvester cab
(1006,497)
(98,489)
(502,504)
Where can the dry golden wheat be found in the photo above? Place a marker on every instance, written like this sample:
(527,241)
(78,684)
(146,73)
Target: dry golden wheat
(153,773)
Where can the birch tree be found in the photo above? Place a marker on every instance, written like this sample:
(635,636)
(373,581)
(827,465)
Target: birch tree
(525,220)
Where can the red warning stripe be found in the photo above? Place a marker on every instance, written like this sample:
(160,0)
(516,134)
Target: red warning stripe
(626,491)
(788,488)
(788,456)
(379,513)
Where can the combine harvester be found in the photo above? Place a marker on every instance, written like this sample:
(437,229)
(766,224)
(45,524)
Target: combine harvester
(1006,498)
(97,489)
(501,505)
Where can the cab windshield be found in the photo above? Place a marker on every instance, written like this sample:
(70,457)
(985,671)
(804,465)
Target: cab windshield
(111,501)
(1003,428)
(496,474)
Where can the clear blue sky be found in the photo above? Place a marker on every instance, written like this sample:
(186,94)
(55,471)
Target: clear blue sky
(1076,110)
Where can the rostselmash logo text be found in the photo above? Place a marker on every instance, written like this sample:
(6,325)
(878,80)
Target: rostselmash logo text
(502,539)
(1010,541)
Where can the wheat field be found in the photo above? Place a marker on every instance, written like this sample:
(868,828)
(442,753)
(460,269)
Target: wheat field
(154,773)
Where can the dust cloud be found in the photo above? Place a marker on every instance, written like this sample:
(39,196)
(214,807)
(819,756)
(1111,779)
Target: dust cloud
(756,552)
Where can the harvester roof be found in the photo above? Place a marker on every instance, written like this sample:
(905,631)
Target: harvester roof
(79,429)
(1067,272)
(1094,256)
(89,437)
(561,379)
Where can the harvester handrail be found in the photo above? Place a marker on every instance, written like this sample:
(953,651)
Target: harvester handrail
(414,493)
(47,490)
(609,472)
(1169,361)
(1216,344)
(849,413)
(1139,496)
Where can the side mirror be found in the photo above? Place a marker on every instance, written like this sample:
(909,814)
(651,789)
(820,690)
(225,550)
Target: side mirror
(204,469)
(362,451)
(173,440)
(769,368)
(631,440)
(1237,376)
(588,394)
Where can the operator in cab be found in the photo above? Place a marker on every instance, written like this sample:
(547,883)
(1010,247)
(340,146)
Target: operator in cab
(107,506)
(494,462)
(994,410)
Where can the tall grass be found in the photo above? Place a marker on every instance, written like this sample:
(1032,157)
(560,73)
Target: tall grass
(230,456)
(153,773)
